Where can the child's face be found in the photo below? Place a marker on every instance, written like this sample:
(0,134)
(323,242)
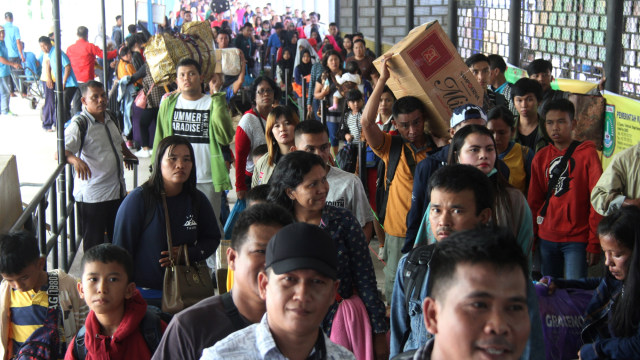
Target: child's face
(105,286)
(527,105)
(286,55)
(559,126)
(355,106)
(30,278)
(306,58)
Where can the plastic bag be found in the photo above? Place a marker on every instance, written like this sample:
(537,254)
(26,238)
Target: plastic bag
(562,315)
(240,205)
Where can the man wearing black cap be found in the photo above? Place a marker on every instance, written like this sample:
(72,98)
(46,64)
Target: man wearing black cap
(298,286)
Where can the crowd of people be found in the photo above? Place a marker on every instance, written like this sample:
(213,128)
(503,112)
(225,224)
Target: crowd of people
(465,224)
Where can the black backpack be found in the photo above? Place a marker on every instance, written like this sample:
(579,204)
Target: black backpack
(414,273)
(150,326)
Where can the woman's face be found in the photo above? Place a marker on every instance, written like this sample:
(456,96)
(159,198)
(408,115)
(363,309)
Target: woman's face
(264,94)
(346,42)
(311,193)
(306,58)
(283,130)
(315,35)
(176,165)
(294,39)
(478,150)
(386,104)
(501,132)
(333,62)
(616,256)
(286,55)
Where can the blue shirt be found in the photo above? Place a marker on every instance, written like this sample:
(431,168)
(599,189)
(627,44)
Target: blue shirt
(274,43)
(256,342)
(71,80)
(5,70)
(11,34)
(31,67)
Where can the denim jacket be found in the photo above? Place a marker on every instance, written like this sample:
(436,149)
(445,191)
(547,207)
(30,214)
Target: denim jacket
(418,335)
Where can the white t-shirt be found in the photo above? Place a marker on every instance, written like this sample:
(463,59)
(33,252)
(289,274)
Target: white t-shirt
(191,120)
(346,191)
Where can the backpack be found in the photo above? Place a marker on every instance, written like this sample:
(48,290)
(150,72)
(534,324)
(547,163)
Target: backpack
(83,124)
(44,343)
(150,326)
(413,274)
(382,186)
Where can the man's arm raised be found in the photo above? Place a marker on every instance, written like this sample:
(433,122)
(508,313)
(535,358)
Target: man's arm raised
(372,132)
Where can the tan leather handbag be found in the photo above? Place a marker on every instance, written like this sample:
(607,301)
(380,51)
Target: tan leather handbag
(184,284)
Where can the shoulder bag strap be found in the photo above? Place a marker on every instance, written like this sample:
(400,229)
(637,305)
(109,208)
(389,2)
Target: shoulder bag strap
(553,181)
(167,226)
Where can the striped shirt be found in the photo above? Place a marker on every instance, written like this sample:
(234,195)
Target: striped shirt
(354,125)
(28,312)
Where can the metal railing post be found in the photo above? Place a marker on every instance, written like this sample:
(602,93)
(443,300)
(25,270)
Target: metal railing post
(354,16)
(410,15)
(452,18)
(613,45)
(515,14)
(378,28)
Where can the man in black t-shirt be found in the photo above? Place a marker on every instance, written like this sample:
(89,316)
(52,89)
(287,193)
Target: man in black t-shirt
(212,319)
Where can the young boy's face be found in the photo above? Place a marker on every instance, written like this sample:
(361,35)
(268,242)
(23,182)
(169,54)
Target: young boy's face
(31,277)
(527,105)
(559,126)
(355,106)
(105,286)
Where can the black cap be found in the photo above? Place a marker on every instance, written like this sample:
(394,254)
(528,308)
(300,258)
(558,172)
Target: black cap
(302,246)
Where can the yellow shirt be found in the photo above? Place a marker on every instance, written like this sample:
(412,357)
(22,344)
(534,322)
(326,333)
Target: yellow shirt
(399,201)
(28,312)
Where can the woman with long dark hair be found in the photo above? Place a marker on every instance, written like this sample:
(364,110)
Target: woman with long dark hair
(326,85)
(612,321)
(299,184)
(140,223)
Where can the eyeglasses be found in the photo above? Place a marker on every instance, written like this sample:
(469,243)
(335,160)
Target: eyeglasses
(265,91)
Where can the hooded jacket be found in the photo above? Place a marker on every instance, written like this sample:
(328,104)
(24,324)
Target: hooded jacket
(570,216)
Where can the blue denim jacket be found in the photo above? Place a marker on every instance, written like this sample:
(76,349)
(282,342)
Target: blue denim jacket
(400,322)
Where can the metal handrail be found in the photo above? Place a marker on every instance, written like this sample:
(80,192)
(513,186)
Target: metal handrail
(60,225)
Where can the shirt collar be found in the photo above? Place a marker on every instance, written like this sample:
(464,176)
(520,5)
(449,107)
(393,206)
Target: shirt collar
(266,344)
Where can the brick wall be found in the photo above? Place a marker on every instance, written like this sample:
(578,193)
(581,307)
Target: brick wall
(393,17)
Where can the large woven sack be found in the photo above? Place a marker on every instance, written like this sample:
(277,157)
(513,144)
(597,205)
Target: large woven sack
(164,51)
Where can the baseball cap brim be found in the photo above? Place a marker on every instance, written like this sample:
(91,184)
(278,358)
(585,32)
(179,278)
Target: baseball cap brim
(298,263)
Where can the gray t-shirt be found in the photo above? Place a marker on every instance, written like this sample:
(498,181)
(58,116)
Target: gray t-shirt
(346,191)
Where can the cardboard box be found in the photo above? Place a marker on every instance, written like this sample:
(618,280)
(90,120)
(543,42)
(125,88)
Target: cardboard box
(589,117)
(10,200)
(427,65)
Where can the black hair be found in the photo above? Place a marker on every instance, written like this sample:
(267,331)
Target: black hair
(17,251)
(83,32)
(108,253)
(502,112)
(407,105)
(155,184)
(525,86)
(364,43)
(497,62)
(476,58)
(90,84)
(124,50)
(189,62)
(496,247)
(132,28)
(278,26)
(273,149)
(387,89)
(248,24)
(118,17)
(258,214)
(354,95)
(272,85)
(538,66)
(333,24)
(353,68)
(290,173)
(8,15)
(563,105)
(45,40)
(260,150)
(257,193)
(224,31)
(624,226)
(310,127)
(457,178)
(502,204)
(327,54)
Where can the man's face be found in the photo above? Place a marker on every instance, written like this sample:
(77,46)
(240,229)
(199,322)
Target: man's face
(246,31)
(28,279)
(559,126)
(223,40)
(296,13)
(95,100)
(481,71)
(44,47)
(358,49)
(248,261)
(187,16)
(119,22)
(314,19)
(105,286)
(411,125)
(526,105)
(451,212)
(189,80)
(481,315)
(297,301)
(386,104)
(544,79)
(333,30)
(316,144)
(501,132)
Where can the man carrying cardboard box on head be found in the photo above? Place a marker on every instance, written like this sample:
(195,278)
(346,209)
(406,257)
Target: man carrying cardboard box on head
(400,154)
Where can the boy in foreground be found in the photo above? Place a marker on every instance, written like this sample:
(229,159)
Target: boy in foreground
(31,298)
(114,326)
